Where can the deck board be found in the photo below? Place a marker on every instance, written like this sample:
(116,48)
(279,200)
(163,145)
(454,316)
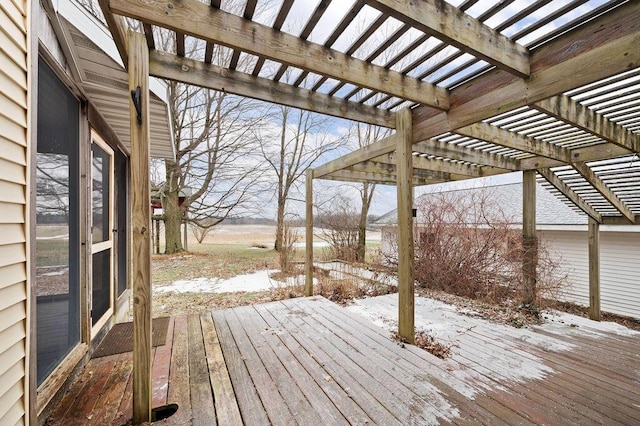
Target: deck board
(309,361)
(316,405)
(248,400)
(273,402)
(160,369)
(351,412)
(408,396)
(482,409)
(226,406)
(179,391)
(202,407)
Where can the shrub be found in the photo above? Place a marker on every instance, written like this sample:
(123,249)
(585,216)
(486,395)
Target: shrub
(465,245)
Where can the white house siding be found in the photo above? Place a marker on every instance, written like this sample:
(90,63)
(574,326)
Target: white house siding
(619,268)
(620,273)
(13,211)
(572,248)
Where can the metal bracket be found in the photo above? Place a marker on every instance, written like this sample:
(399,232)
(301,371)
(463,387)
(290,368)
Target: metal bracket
(136,96)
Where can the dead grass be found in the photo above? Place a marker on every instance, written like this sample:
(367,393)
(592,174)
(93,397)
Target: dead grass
(343,292)
(426,342)
(166,304)
(583,311)
(509,311)
(212,260)
(226,260)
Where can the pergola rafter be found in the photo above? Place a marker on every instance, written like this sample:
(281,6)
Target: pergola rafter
(468,97)
(575,114)
(591,177)
(197,73)
(461,30)
(436,148)
(487,132)
(196,19)
(576,199)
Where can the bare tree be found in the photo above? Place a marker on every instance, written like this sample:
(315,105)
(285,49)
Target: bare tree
(339,220)
(214,159)
(366,134)
(302,138)
(216,170)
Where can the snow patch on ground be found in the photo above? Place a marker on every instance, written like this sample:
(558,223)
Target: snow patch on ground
(502,361)
(258,281)
(345,271)
(563,323)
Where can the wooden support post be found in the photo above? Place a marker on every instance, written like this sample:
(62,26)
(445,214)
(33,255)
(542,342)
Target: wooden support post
(404,167)
(157,235)
(141,227)
(594,270)
(185,239)
(529,238)
(308,282)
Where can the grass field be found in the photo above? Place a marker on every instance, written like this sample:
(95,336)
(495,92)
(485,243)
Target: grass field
(227,251)
(212,260)
(233,250)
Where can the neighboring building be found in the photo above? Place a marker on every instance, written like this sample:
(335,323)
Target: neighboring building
(64,191)
(565,232)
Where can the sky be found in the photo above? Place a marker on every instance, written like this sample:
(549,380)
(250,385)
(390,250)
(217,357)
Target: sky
(385,197)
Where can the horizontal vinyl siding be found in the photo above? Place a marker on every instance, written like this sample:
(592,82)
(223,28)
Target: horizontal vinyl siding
(620,273)
(619,269)
(571,249)
(13,211)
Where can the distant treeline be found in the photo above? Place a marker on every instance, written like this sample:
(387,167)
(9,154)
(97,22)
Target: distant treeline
(248,221)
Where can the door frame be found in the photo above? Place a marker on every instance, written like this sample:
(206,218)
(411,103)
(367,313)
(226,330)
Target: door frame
(109,244)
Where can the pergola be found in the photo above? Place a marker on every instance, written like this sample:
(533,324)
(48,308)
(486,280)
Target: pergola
(477,89)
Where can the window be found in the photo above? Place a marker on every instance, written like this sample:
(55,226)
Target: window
(57,281)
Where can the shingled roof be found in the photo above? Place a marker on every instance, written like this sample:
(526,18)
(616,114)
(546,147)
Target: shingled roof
(550,210)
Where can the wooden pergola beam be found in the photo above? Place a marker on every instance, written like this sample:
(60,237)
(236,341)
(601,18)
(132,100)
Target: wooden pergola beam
(590,153)
(358,156)
(493,134)
(118,28)
(449,24)
(593,179)
(462,153)
(173,67)
(389,167)
(199,20)
(372,177)
(566,109)
(619,220)
(455,171)
(576,199)
(604,47)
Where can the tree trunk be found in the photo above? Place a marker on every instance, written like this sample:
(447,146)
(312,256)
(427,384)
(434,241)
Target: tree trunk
(279,226)
(172,213)
(362,236)
(366,196)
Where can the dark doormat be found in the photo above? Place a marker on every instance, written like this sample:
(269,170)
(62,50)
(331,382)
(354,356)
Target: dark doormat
(120,338)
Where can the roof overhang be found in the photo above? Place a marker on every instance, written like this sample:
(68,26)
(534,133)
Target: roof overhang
(104,80)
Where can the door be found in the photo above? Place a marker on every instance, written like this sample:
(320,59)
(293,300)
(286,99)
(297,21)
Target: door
(102,283)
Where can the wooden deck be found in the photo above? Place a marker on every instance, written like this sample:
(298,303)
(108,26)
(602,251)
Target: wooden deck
(309,361)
